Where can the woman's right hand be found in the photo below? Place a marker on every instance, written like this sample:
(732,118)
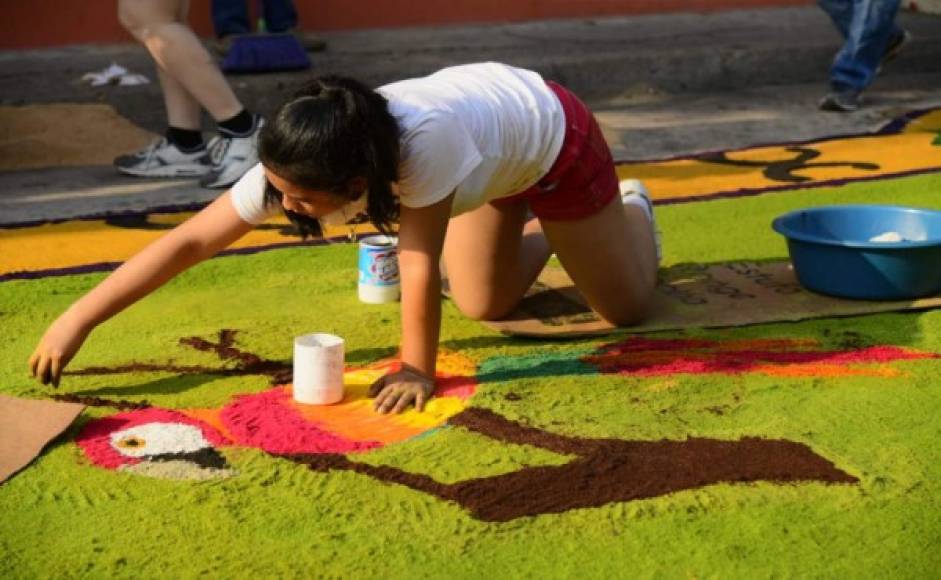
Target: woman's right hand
(197,239)
(56,348)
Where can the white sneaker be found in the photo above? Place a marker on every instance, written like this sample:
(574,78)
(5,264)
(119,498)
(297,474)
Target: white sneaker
(232,157)
(163,159)
(633,192)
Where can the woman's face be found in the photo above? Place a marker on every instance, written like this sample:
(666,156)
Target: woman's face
(309,202)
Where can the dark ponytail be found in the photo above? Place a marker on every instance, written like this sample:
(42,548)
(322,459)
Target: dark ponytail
(331,131)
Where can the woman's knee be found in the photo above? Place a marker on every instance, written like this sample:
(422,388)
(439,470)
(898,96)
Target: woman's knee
(132,16)
(484,308)
(629,312)
(140,17)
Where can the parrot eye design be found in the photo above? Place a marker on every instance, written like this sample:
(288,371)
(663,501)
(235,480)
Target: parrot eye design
(159,438)
(130,442)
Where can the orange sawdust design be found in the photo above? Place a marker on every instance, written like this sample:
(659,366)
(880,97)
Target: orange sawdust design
(357,421)
(210,417)
(354,419)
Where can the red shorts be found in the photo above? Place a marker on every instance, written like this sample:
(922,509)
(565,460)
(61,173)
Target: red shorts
(582,180)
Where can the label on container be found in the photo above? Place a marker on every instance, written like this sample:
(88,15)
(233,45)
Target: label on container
(378,261)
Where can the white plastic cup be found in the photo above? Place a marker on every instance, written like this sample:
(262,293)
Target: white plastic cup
(318,369)
(378,269)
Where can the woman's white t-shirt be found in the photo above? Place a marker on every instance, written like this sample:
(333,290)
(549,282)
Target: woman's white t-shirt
(483,131)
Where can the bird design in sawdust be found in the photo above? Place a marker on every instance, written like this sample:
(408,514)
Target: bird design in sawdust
(186,443)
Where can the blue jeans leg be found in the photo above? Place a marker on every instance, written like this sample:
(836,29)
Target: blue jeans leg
(230,17)
(280,15)
(867,26)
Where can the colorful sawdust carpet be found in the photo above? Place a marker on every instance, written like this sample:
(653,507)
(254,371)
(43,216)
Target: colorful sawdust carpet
(797,449)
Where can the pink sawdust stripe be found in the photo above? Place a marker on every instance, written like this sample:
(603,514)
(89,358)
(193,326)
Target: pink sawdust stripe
(269,422)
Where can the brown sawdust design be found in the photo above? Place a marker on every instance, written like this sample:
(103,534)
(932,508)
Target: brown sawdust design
(603,471)
(245,363)
(99,402)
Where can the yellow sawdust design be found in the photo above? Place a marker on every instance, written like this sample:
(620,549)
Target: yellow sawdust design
(838,159)
(76,243)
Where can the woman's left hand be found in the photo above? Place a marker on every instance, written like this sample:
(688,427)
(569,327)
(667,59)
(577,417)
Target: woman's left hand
(396,391)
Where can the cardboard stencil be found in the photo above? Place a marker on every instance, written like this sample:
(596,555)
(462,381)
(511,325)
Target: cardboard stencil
(691,296)
(27,426)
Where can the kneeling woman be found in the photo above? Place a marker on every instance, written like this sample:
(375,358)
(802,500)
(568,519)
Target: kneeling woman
(460,158)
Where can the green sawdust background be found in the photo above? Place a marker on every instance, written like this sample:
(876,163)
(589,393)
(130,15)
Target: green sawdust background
(63,517)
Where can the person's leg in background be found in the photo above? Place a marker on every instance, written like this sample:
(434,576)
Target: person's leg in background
(280,15)
(871,37)
(190,78)
(230,17)
(840,12)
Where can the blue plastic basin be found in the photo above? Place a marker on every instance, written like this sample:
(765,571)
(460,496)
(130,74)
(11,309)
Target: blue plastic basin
(832,250)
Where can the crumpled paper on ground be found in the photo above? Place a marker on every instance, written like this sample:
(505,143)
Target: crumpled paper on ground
(114,75)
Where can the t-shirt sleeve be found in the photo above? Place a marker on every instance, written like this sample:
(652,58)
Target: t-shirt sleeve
(248,196)
(438,154)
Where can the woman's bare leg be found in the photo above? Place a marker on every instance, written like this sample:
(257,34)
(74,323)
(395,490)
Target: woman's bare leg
(493,256)
(183,111)
(611,256)
(160,25)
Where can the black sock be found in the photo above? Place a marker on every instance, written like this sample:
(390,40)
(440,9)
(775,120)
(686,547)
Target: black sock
(186,140)
(239,125)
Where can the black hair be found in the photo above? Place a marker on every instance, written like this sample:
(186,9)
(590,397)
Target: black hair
(332,130)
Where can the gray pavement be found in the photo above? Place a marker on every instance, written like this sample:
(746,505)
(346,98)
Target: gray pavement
(662,86)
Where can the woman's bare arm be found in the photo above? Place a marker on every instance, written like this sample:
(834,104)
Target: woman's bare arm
(421,237)
(198,238)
